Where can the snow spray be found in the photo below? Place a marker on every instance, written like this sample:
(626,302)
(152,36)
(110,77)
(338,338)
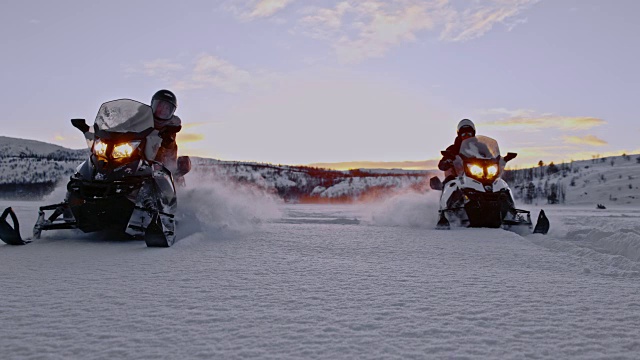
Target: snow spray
(207,204)
(410,209)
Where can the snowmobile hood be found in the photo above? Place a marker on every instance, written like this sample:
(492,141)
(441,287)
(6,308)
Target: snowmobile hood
(124,118)
(480,147)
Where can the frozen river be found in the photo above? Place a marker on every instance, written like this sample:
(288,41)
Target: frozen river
(321,281)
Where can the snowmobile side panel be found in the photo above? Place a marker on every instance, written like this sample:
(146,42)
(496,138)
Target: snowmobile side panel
(10,234)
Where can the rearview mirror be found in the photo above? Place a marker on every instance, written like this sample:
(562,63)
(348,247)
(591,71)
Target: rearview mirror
(510,156)
(184,165)
(435,183)
(80,124)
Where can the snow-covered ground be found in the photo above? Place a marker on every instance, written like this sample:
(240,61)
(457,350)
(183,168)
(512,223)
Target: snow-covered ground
(252,278)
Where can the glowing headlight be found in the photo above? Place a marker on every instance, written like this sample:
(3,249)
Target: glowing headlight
(124,150)
(492,171)
(100,148)
(476,170)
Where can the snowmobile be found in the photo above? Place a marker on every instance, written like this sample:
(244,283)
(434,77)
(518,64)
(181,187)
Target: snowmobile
(119,187)
(477,196)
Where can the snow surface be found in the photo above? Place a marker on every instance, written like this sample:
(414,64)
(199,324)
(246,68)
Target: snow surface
(253,278)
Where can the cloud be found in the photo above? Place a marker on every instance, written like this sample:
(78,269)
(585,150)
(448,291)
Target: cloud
(163,69)
(480,17)
(549,122)
(248,10)
(189,137)
(266,8)
(212,71)
(585,140)
(191,125)
(358,30)
(518,113)
(206,71)
(407,165)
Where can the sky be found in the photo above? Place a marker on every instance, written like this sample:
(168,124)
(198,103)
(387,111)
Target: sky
(340,83)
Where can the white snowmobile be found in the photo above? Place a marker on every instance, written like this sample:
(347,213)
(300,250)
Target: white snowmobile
(478,196)
(120,187)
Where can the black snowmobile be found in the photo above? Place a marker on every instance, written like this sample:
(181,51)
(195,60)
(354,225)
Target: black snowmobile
(120,187)
(478,196)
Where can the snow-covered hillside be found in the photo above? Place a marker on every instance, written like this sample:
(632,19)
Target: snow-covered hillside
(307,184)
(28,166)
(608,181)
(24,148)
(32,169)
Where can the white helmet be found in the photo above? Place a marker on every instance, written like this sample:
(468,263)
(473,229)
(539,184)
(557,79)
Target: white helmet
(468,124)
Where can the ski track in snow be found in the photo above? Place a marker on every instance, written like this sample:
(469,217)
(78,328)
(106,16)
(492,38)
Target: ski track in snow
(253,279)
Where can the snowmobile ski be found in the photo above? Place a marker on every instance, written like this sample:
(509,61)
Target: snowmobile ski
(542,225)
(11,234)
(443,223)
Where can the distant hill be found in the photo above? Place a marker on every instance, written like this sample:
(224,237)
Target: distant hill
(613,180)
(24,148)
(311,184)
(31,169)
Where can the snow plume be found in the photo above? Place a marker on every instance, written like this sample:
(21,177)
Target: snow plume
(408,208)
(58,194)
(207,205)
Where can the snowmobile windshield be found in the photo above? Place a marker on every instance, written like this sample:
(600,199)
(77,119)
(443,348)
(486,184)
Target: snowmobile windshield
(124,119)
(480,147)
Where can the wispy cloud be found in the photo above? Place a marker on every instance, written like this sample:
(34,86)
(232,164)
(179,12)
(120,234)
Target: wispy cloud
(206,71)
(163,69)
(361,29)
(248,10)
(513,113)
(266,8)
(365,29)
(212,71)
(189,137)
(480,17)
(549,122)
(585,140)
(195,124)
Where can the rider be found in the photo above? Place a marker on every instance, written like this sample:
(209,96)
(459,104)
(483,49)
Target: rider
(164,104)
(466,129)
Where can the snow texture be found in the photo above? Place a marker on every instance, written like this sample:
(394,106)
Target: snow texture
(253,278)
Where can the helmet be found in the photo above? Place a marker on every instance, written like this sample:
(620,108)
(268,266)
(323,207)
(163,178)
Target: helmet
(164,104)
(466,126)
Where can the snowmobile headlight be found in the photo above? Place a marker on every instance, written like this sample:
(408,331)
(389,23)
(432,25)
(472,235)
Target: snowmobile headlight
(100,148)
(492,171)
(124,150)
(476,170)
